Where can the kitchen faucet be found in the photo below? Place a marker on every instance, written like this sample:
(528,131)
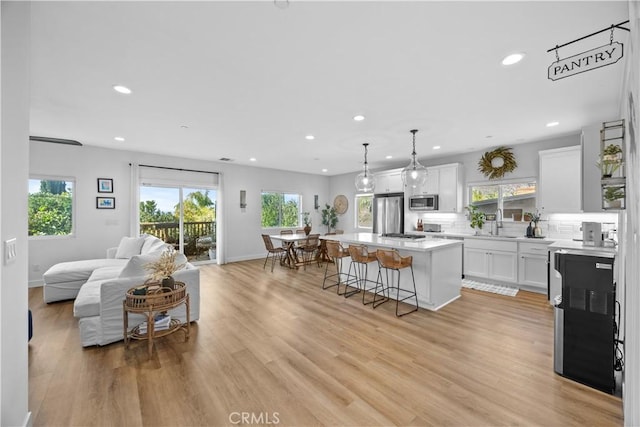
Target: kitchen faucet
(499,224)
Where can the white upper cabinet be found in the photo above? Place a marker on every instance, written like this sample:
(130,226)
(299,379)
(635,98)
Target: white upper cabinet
(446,182)
(389,181)
(560,183)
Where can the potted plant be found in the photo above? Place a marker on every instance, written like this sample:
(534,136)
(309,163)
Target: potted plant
(611,160)
(307,222)
(476,218)
(613,195)
(535,217)
(329,217)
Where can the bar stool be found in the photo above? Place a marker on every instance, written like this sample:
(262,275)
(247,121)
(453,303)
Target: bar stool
(337,253)
(391,260)
(361,257)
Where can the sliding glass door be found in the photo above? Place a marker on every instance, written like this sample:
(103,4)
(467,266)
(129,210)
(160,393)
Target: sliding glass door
(182,216)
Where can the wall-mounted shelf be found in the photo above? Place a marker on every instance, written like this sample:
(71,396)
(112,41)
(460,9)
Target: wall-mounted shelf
(612,151)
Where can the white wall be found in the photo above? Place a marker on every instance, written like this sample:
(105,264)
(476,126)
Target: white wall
(98,229)
(15,30)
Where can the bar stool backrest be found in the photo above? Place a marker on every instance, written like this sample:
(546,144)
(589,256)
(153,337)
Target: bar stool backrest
(334,249)
(392,259)
(360,253)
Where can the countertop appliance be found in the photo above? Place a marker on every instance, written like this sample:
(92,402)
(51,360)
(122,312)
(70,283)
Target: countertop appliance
(432,228)
(584,319)
(424,202)
(592,233)
(388,213)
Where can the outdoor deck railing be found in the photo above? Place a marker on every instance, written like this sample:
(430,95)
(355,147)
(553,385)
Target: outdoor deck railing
(170,232)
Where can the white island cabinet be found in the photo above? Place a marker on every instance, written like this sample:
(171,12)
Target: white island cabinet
(437,265)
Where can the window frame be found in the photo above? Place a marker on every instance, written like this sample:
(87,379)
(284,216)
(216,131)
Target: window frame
(500,184)
(356,210)
(283,193)
(74,215)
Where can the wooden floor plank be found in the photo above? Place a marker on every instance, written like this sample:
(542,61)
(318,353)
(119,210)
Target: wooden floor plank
(277,347)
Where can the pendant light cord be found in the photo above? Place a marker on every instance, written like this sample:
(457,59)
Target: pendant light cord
(413,154)
(366,169)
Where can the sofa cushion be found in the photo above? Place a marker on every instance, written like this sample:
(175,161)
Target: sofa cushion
(103,273)
(78,270)
(129,246)
(135,267)
(87,302)
(152,244)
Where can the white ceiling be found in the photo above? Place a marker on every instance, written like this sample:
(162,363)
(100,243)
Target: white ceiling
(250,79)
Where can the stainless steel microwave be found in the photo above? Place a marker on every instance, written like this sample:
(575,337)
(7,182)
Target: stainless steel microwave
(425,202)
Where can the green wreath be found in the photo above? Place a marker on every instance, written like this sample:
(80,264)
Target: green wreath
(496,163)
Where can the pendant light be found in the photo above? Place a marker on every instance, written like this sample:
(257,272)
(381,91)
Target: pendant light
(365,181)
(414,176)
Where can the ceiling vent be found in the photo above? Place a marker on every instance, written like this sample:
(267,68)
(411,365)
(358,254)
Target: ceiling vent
(54,140)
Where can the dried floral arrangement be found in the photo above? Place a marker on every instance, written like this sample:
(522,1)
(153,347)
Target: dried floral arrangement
(165,266)
(496,163)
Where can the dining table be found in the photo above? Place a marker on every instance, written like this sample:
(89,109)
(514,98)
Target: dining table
(289,241)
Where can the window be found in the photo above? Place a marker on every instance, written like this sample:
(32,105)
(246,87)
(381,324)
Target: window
(50,207)
(280,210)
(364,211)
(513,198)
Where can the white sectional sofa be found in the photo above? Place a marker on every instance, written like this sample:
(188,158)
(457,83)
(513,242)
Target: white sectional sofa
(99,286)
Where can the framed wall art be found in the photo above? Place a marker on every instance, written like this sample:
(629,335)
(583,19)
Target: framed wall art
(105,185)
(105,202)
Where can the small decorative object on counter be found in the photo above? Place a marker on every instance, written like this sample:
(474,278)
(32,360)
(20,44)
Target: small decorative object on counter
(307,223)
(420,227)
(537,231)
(530,230)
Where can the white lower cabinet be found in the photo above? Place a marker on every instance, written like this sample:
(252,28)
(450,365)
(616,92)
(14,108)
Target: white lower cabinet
(491,259)
(532,264)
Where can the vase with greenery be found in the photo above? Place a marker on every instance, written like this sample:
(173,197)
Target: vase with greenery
(611,160)
(613,196)
(161,270)
(476,218)
(329,217)
(307,222)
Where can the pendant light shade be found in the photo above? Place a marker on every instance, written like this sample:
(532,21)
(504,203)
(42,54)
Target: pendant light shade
(365,181)
(414,176)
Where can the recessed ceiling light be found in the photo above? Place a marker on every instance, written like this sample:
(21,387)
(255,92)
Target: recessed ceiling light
(122,89)
(514,58)
(310,137)
(119,138)
(325,170)
(358,118)
(389,157)
(552,124)
(436,147)
(253,159)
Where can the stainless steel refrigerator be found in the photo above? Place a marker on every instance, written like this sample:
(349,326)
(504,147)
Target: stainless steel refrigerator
(388,213)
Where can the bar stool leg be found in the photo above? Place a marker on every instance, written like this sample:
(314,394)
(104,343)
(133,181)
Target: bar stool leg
(414,295)
(355,280)
(338,263)
(385,291)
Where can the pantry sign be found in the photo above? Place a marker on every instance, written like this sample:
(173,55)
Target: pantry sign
(586,61)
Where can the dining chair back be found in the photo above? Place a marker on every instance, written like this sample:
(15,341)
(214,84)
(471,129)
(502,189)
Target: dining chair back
(271,251)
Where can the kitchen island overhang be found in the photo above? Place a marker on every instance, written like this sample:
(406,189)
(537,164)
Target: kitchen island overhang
(437,265)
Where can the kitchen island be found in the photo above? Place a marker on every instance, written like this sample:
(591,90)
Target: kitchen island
(437,265)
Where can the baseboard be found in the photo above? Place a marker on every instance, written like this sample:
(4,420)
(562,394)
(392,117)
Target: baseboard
(246,258)
(28,422)
(36,283)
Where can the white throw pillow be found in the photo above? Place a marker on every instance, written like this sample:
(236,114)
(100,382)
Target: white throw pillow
(152,244)
(129,246)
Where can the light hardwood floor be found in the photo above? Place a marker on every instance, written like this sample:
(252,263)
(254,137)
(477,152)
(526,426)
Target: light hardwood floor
(276,346)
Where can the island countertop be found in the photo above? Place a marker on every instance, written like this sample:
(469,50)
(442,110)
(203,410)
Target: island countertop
(418,245)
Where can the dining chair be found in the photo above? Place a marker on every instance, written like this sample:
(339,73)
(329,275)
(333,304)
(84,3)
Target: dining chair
(309,248)
(272,251)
